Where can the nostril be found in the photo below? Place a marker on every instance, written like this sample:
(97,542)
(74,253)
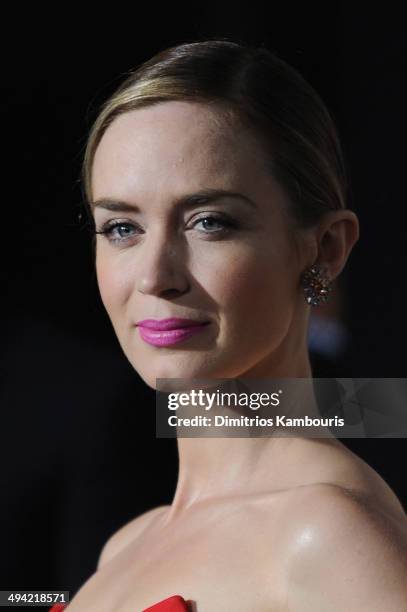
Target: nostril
(171,293)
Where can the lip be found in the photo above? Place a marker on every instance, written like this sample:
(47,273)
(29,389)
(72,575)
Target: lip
(169,324)
(169,336)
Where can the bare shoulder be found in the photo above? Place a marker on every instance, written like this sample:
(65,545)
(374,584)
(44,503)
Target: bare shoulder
(127,534)
(346,551)
(330,507)
(333,464)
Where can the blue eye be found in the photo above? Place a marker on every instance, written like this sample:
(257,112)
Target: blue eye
(118,231)
(220,221)
(121,232)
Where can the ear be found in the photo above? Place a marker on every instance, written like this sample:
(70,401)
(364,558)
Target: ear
(336,234)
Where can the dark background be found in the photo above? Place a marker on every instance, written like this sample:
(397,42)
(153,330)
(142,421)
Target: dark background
(79,456)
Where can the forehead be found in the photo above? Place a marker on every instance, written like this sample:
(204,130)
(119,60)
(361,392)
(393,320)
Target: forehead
(177,145)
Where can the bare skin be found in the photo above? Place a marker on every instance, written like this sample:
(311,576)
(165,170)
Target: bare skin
(265,524)
(241,552)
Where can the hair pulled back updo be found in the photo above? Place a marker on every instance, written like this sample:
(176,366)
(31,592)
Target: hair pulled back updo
(259,90)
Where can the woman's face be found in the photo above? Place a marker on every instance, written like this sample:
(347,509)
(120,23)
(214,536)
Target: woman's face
(227,260)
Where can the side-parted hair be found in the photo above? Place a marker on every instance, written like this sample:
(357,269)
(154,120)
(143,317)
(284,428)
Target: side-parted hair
(259,90)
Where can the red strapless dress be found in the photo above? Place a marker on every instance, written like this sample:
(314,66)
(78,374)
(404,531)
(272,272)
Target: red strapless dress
(175,603)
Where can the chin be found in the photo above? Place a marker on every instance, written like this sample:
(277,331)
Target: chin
(172,368)
(173,377)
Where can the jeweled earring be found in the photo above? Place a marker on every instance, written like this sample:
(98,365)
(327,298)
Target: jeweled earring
(316,285)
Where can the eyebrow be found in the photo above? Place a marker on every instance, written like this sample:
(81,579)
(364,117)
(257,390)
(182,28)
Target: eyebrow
(188,201)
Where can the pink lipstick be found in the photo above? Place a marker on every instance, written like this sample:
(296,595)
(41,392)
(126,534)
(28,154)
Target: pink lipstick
(165,332)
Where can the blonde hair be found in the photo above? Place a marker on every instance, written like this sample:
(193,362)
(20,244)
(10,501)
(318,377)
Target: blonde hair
(261,91)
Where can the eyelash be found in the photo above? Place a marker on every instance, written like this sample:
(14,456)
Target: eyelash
(109,227)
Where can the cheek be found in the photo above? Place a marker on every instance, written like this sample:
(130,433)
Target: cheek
(113,285)
(255,292)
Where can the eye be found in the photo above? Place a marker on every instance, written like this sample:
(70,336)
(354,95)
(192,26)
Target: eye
(122,232)
(118,231)
(214,224)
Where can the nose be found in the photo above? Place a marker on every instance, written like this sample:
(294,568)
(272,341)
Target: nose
(162,267)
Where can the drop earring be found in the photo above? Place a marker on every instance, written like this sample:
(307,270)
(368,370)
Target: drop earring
(316,285)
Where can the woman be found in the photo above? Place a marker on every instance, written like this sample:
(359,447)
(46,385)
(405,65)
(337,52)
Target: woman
(217,188)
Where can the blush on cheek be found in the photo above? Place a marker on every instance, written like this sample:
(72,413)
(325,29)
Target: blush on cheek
(257,302)
(244,280)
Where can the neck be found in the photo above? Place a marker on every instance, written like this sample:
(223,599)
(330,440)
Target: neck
(211,468)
